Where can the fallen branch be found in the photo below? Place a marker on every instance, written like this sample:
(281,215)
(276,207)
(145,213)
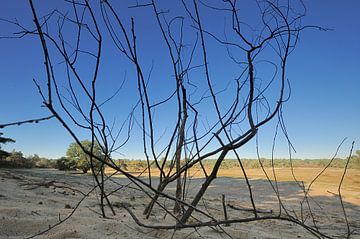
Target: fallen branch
(250,209)
(51,183)
(224,208)
(10,175)
(212,223)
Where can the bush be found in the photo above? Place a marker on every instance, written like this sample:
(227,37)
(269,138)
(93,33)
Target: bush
(17,160)
(122,164)
(41,162)
(45,163)
(78,159)
(65,163)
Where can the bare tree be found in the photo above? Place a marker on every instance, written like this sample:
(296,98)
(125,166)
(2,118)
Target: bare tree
(209,114)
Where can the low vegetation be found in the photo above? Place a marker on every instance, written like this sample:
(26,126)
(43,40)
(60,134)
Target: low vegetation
(136,165)
(76,159)
(17,160)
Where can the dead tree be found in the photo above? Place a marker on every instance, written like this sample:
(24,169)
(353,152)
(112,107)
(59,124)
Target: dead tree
(208,114)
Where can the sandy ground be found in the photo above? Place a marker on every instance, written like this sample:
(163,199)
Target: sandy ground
(32,200)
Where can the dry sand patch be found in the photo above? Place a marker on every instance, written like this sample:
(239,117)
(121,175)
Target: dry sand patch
(26,209)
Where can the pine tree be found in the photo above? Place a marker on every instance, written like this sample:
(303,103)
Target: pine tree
(3,140)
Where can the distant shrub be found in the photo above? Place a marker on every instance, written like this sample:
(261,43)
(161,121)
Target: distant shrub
(355,160)
(65,163)
(41,162)
(45,163)
(137,164)
(284,163)
(17,160)
(122,163)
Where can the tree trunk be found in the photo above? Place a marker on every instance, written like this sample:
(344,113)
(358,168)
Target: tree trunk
(205,185)
(178,207)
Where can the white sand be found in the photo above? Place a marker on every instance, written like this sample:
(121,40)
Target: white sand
(26,209)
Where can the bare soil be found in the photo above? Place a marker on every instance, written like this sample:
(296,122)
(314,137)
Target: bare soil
(32,200)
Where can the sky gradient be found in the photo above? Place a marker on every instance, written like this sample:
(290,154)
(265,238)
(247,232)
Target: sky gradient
(324,71)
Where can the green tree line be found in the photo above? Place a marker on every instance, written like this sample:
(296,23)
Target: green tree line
(76,159)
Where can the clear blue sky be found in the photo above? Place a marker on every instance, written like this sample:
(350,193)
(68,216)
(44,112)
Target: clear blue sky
(324,71)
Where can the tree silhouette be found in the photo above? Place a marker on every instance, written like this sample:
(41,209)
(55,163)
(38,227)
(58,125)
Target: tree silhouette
(4,140)
(220,86)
